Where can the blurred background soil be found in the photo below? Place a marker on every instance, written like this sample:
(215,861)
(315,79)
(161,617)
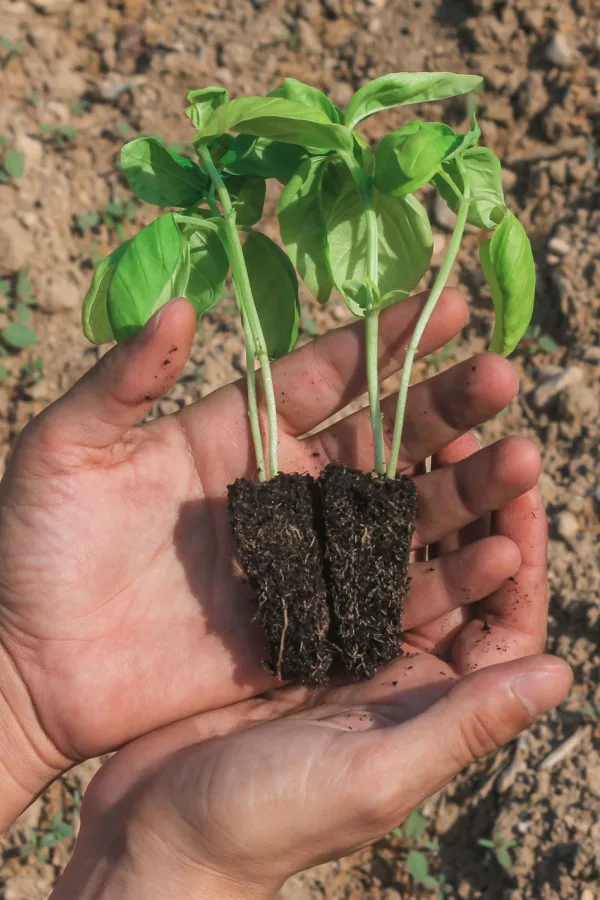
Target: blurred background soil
(79,78)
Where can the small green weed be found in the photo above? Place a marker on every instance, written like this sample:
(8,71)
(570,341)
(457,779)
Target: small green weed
(437,360)
(113,217)
(58,136)
(538,342)
(412,833)
(591,712)
(9,50)
(500,849)
(18,299)
(53,833)
(12,163)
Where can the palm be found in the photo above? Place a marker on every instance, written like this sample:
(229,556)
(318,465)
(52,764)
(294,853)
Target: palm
(120,605)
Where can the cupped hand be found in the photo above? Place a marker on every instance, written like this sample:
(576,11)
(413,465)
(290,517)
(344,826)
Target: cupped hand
(120,609)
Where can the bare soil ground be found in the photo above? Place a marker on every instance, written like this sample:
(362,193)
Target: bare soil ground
(80,77)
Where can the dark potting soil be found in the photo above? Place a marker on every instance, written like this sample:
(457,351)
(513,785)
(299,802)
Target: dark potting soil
(276,527)
(369,522)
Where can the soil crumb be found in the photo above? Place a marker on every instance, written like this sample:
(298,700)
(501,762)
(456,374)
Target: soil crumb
(276,531)
(369,522)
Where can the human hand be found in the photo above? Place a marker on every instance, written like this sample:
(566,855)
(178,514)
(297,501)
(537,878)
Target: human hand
(119,609)
(231,803)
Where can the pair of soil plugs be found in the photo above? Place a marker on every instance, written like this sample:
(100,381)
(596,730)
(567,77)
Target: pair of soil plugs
(327,559)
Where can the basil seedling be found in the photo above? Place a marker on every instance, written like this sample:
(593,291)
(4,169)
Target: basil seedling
(350,218)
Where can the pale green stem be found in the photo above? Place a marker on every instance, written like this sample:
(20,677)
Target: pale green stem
(371,315)
(413,347)
(255,338)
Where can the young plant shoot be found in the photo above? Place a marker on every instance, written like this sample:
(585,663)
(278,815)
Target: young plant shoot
(327,559)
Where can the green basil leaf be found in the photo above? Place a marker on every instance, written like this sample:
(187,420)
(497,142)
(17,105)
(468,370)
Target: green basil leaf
(275,291)
(96,324)
(279,119)
(153,269)
(402,88)
(203,103)
(160,176)
(363,154)
(248,196)
(407,159)
(483,171)
(509,267)
(360,296)
(303,229)
(405,240)
(208,269)
(466,141)
(310,96)
(263,158)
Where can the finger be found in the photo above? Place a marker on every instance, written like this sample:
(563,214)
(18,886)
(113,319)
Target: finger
(511,622)
(449,456)
(114,395)
(324,376)
(458,579)
(454,496)
(439,410)
(475,717)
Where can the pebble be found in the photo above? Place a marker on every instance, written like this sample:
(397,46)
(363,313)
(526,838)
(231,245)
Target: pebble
(554,383)
(559,247)
(588,894)
(567,526)
(60,295)
(16,247)
(560,53)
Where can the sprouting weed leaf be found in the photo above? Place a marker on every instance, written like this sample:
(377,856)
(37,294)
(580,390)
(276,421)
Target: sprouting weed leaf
(152,270)
(88,220)
(18,336)
(262,157)
(484,842)
(417,865)
(249,199)
(23,312)
(275,290)
(309,325)
(14,164)
(407,159)
(203,103)
(415,825)
(590,713)
(95,320)
(405,240)
(503,857)
(4,286)
(208,268)
(124,128)
(160,176)
(4,373)
(24,287)
(547,344)
(278,119)
(482,169)
(508,263)
(310,96)
(401,88)
(431,845)
(303,229)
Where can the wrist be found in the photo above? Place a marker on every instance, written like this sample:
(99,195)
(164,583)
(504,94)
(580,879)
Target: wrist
(106,867)
(28,760)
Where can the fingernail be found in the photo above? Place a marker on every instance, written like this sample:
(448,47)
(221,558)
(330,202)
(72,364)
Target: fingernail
(534,690)
(152,324)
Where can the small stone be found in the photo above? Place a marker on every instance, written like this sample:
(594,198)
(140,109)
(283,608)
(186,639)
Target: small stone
(51,7)
(560,53)
(32,150)
(16,247)
(442,214)
(341,93)
(61,294)
(559,247)
(169,407)
(554,383)
(308,36)
(509,179)
(568,527)
(593,782)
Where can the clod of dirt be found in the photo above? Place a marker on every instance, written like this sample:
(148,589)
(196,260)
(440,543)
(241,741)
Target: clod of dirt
(276,529)
(369,523)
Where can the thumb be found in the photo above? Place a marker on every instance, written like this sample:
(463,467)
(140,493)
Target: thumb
(477,716)
(120,389)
